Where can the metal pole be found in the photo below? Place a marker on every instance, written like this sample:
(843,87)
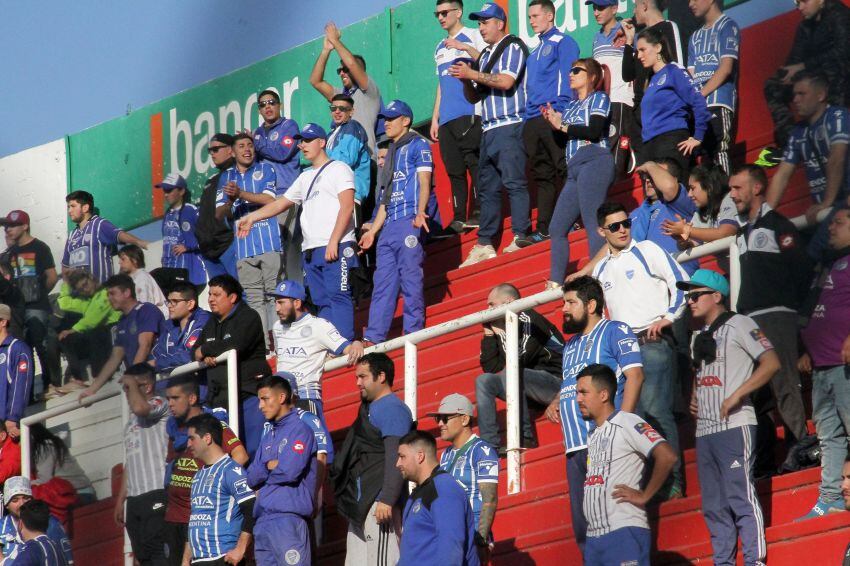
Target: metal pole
(735,274)
(513,400)
(232,391)
(128,548)
(26,463)
(410,377)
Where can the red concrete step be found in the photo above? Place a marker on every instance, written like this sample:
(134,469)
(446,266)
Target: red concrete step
(95,538)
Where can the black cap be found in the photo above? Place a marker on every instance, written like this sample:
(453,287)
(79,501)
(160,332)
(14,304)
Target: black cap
(226,139)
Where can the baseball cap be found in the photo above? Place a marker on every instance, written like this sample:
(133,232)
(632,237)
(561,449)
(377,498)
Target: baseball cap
(16,485)
(705,278)
(601,3)
(221,137)
(311,132)
(290,290)
(172,181)
(454,404)
(395,109)
(5,312)
(487,11)
(15,218)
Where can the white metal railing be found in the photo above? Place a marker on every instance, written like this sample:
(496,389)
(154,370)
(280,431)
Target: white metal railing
(509,313)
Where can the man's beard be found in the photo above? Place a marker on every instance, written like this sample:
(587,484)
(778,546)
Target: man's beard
(574,325)
(288,318)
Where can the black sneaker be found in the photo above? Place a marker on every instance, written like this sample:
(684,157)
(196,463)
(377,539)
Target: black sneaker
(535,237)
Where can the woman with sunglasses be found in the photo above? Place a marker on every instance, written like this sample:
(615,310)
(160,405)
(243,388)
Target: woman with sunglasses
(590,165)
(669,102)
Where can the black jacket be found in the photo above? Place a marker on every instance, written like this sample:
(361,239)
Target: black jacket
(214,236)
(243,331)
(541,346)
(823,46)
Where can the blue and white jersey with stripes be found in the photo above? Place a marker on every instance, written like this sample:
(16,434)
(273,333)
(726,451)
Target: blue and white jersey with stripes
(640,285)
(611,343)
(258,179)
(470,466)
(92,247)
(606,53)
(503,107)
(178,228)
(453,103)
(216,519)
(410,159)
(708,47)
(578,112)
(17,369)
(11,542)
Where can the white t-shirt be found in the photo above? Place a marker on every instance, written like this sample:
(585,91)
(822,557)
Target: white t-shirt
(147,291)
(616,454)
(727,214)
(320,208)
(301,349)
(740,342)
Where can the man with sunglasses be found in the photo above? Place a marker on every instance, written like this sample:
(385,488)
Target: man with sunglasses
(456,122)
(732,358)
(181,331)
(639,280)
(355,82)
(274,141)
(349,143)
(214,235)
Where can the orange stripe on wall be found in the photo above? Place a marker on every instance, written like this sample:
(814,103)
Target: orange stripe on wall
(506,8)
(156,164)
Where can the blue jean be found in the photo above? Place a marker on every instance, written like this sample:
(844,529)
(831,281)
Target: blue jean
(576,474)
(831,413)
(329,287)
(589,176)
(656,395)
(502,163)
(627,545)
(538,385)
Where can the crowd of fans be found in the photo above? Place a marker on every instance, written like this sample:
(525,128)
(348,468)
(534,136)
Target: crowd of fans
(648,339)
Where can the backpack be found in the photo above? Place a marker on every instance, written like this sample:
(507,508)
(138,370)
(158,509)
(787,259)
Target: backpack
(214,236)
(494,58)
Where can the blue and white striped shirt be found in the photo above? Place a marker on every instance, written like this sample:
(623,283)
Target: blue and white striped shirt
(410,159)
(578,112)
(178,227)
(264,235)
(611,343)
(453,103)
(479,463)
(503,107)
(91,248)
(606,53)
(216,519)
(708,47)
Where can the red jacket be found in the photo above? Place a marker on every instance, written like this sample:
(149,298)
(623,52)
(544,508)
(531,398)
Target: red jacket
(10,459)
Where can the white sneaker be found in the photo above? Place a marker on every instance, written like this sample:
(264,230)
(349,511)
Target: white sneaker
(479,253)
(512,247)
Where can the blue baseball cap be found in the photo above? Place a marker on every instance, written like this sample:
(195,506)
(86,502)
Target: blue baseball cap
(311,132)
(288,289)
(601,3)
(395,109)
(705,278)
(172,181)
(487,11)
(290,377)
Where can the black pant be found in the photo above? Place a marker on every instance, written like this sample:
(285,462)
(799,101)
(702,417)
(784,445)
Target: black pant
(176,535)
(145,523)
(718,138)
(666,146)
(39,335)
(547,160)
(87,348)
(620,136)
(459,142)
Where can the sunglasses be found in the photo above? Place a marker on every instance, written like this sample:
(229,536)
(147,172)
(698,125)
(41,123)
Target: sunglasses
(341,70)
(215,148)
(443,13)
(175,302)
(577,70)
(444,419)
(615,226)
(694,296)
(336,108)
(264,103)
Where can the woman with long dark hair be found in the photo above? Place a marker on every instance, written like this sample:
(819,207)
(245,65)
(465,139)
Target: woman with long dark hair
(716,216)
(52,460)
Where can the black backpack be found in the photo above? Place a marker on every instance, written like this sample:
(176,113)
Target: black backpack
(214,236)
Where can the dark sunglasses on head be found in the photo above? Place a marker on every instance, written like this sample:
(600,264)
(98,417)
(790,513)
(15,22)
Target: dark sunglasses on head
(342,69)
(264,103)
(615,226)
(694,296)
(443,13)
(444,418)
(214,148)
(335,108)
(577,70)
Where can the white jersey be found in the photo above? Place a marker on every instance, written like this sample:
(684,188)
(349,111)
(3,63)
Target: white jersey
(320,204)
(148,291)
(616,454)
(740,342)
(301,349)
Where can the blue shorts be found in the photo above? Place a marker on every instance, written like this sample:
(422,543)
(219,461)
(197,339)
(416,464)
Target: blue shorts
(629,545)
(282,539)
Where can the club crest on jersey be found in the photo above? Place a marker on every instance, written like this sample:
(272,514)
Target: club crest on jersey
(411,241)
(292,556)
(186,226)
(306,332)
(649,432)
(2,358)
(630,273)
(348,252)
(661,80)
(274,136)
(416,506)
(298,447)
(257,175)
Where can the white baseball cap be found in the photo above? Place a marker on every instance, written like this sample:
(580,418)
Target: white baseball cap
(16,485)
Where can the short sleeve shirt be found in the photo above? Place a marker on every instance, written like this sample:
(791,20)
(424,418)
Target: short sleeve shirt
(29,262)
(476,464)
(728,214)
(302,348)
(143,318)
(616,454)
(606,53)
(91,248)
(410,159)
(708,47)
(811,144)
(453,103)
(259,178)
(145,448)
(320,202)
(389,415)
(503,107)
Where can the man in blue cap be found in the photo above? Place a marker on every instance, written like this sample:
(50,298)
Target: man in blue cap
(732,358)
(404,189)
(326,195)
(498,81)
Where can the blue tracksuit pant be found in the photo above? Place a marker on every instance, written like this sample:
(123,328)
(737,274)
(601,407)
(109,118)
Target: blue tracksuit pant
(729,501)
(628,545)
(400,257)
(330,286)
(282,538)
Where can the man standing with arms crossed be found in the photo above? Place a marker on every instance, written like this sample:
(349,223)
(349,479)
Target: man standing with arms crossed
(595,341)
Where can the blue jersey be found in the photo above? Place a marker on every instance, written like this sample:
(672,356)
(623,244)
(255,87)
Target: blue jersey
(669,101)
(578,112)
(174,346)
(549,72)
(389,415)
(144,317)
(410,159)
(474,463)
(276,146)
(259,179)
(606,53)
(453,103)
(349,143)
(503,107)
(178,227)
(216,519)
(811,144)
(10,540)
(708,46)
(611,343)
(92,247)
(40,551)
(324,444)
(648,218)
(16,371)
